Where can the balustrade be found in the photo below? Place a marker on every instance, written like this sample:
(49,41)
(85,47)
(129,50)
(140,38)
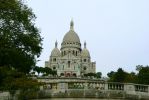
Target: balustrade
(141,88)
(94,84)
(115,86)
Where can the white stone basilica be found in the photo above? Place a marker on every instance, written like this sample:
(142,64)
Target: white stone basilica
(71,60)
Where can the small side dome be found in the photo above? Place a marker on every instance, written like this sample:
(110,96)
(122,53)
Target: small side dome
(55,51)
(85,52)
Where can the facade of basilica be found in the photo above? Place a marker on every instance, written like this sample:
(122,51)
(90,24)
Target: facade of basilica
(71,60)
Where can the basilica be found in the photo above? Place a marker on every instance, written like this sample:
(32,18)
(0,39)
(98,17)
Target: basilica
(71,60)
(73,65)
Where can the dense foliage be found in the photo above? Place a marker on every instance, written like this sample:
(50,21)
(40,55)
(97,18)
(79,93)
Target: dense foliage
(12,81)
(45,71)
(95,75)
(20,41)
(142,77)
(20,45)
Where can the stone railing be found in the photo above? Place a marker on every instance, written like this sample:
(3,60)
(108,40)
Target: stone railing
(98,88)
(115,86)
(4,95)
(141,88)
(72,83)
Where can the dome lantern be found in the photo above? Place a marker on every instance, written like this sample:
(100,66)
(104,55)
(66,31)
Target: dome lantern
(56,44)
(71,25)
(85,44)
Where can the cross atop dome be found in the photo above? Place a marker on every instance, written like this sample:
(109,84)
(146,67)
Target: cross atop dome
(56,44)
(85,44)
(71,24)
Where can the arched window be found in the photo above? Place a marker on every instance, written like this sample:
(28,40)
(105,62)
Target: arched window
(74,75)
(62,74)
(73,52)
(68,64)
(68,75)
(63,67)
(54,68)
(54,59)
(69,51)
(64,52)
(76,53)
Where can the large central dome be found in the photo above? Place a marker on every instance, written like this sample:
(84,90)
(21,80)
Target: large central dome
(71,39)
(71,36)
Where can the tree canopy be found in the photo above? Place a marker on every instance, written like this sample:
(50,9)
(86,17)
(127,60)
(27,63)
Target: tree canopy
(20,40)
(142,77)
(95,75)
(98,74)
(45,71)
(20,45)
(118,76)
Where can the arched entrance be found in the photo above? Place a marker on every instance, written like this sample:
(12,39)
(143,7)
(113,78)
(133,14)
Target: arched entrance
(74,75)
(68,75)
(62,74)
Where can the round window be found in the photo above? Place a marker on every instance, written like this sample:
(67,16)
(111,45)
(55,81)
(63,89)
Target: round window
(84,68)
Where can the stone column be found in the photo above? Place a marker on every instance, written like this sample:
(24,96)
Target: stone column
(106,86)
(129,88)
(66,86)
(148,89)
(85,85)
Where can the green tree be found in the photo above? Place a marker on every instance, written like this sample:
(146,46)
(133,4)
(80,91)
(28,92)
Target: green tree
(98,74)
(119,76)
(38,69)
(122,76)
(131,77)
(14,80)
(139,67)
(47,70)
(111,74)
(20,45)
(90,75)
(20,41)
(44,71)
(143,75)
(54,72)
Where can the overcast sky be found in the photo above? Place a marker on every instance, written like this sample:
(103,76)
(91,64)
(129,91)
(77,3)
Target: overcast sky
(116,31)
